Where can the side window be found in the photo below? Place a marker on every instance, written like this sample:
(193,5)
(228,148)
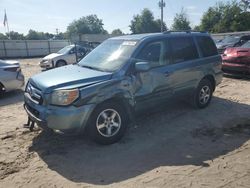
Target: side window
(81,50)
(155,53)
(183,49)
(207,46)
(73,50)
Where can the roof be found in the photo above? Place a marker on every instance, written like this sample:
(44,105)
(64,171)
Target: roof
(147,35)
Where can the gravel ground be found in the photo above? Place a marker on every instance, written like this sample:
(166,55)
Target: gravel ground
(174,146)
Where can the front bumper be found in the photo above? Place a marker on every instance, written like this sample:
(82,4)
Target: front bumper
(234,68)
(46,64)
(68,119)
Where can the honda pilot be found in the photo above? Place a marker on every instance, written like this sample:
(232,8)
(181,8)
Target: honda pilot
(122,76)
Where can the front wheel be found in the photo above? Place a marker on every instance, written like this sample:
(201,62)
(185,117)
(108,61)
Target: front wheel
(203,94)
(107,124)
(60,63)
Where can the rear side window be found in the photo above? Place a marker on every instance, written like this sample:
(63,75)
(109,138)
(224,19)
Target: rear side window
(183,49)
(207,46)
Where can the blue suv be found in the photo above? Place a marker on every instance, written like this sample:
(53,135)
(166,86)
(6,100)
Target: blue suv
(122,76)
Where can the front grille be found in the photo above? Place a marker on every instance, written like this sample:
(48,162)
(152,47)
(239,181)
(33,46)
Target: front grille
(34,93)
(235,71)
(32,110)
(234,62)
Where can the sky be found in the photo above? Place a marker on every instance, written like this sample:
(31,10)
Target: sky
(48,15)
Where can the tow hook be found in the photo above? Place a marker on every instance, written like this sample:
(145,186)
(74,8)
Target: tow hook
(29,125)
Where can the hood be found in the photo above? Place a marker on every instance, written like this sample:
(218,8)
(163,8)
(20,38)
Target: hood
(70,76)
(51,56)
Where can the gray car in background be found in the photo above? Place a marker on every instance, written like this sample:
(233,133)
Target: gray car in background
(68,55)
(11,76)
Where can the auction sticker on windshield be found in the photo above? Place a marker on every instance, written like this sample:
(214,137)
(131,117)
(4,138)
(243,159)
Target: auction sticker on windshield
(129,43)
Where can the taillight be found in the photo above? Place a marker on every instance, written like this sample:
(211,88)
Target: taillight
(13,69)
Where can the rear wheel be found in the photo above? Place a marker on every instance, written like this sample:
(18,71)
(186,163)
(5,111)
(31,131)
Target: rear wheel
(107,123)
(60,63)
(203,94)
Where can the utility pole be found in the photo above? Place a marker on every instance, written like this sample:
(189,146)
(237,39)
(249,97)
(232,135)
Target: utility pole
(162,4)
(57,31)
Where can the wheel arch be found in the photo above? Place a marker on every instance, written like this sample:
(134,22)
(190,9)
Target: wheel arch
(121,101)
(211,79)
(63,60)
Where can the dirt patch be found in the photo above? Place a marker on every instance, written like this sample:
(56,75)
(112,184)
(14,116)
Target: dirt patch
(14,154)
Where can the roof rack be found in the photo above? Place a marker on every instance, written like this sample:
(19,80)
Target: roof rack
(183,31)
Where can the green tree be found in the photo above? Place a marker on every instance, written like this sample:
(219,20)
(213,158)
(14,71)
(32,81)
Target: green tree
(35,35)
(60,36)
(117,32)
(197,28)
(181,21)
(145,23)
(86,25)
(226,17)
(3,36)
(15,35)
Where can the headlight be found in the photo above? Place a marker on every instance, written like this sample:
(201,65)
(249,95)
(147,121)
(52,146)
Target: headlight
(64,97)
(45,61)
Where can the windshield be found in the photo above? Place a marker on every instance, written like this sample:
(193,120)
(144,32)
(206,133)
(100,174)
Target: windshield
(230,39)
(246,45)
(109,56)
(65,50)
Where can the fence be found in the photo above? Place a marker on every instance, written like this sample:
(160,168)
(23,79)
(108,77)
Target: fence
(30,48)
(33,48)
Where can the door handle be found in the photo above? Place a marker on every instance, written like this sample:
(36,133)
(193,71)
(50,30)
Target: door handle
(166,74)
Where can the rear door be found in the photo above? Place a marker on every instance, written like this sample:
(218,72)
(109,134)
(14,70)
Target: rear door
(184,66)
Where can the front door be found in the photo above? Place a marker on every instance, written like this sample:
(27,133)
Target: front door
(153,86)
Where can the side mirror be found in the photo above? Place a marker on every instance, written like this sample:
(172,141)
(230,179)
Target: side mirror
(142,66)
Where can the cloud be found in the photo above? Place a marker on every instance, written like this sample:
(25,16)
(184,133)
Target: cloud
(193,11)
(190,8)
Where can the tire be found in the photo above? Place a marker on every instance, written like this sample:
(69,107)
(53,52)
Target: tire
(1,90)
(60,63)
(105,129)
(203,94)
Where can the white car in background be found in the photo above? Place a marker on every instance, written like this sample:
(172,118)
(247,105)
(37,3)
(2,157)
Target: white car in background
(11,77)
(68,55)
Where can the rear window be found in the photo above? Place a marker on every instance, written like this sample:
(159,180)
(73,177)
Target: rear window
(207,46)
(183,49)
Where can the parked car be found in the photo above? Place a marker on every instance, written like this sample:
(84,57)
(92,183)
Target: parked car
(237,60)
(231,41)
(68,55)
(11,76)
(120,77)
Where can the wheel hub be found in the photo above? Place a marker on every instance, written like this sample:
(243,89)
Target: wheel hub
(108,122)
